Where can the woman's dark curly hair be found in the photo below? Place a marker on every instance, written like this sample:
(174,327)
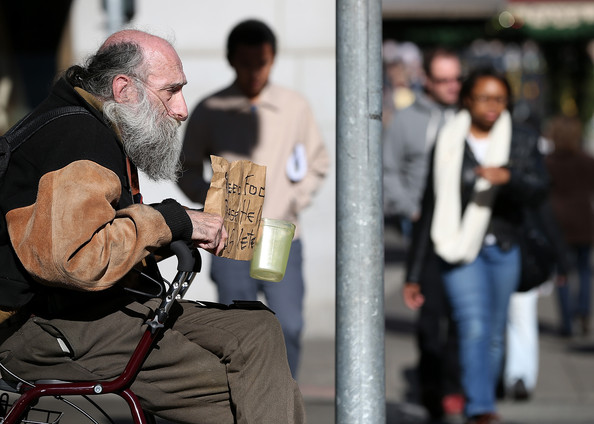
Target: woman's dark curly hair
(472,79)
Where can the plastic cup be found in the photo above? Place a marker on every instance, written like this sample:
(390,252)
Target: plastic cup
(271,252)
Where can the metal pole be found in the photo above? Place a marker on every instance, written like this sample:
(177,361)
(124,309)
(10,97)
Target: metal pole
(360,363)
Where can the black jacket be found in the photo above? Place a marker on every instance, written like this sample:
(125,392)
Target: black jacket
(66,198)
(528,185)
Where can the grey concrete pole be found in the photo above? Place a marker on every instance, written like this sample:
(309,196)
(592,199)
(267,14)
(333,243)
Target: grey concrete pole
(360,360)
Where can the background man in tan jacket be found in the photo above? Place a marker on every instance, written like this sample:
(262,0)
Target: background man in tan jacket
(272,126)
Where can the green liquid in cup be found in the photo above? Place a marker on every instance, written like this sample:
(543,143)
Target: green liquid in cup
(271,253)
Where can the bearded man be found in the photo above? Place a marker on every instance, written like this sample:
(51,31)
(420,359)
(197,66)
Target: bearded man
(75,227)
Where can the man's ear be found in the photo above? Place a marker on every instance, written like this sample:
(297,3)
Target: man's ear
(122,88)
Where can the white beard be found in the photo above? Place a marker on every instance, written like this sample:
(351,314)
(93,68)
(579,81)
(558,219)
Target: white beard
(150,137)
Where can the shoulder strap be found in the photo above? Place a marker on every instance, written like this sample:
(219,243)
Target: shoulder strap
(26,127)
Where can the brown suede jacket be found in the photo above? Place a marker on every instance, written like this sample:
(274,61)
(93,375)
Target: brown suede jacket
(68,211)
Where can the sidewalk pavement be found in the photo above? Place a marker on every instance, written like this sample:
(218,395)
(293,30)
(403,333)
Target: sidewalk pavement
(564,392)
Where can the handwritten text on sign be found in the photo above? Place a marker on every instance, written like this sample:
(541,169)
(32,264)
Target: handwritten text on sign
(237,194)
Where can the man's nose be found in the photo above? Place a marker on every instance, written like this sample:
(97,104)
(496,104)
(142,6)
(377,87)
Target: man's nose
(178,108)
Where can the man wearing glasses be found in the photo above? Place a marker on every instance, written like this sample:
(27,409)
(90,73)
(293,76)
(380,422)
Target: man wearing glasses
(407,143)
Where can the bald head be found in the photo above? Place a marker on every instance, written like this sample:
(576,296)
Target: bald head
(143,39)
(152,47)
(127,36)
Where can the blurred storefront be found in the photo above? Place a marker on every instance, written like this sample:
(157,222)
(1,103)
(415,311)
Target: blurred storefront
(544,46)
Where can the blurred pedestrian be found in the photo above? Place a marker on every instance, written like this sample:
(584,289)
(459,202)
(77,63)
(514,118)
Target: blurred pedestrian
(5,92)
(572,198)
(521,362)
(522,355)
(401,61)
(270,125)
(484,171)
(411,134)
(397,91)
(407,143)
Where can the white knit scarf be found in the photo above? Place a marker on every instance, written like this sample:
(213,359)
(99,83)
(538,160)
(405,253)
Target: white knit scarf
(458,238)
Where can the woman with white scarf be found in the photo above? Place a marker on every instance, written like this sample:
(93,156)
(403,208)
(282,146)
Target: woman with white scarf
(484,170)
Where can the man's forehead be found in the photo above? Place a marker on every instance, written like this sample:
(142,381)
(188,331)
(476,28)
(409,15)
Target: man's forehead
(165,71)
(163,65)
(445,65)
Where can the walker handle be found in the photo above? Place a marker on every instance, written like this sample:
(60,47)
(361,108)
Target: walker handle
(186,257)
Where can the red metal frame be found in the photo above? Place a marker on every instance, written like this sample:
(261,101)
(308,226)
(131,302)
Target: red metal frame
(119,386)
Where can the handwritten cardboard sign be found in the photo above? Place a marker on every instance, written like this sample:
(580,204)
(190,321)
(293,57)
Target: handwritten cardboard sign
(237,194)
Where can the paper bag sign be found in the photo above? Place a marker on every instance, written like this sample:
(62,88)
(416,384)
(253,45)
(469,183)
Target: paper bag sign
(237,194)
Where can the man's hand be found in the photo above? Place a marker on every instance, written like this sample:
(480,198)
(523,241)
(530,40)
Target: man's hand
(413,298)
(495,175)
(208,232)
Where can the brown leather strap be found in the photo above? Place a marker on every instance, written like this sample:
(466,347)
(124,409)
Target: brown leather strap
(134,181)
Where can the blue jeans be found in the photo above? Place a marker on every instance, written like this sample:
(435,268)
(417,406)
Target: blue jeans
(479,293)
(285,298)
(580,305)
